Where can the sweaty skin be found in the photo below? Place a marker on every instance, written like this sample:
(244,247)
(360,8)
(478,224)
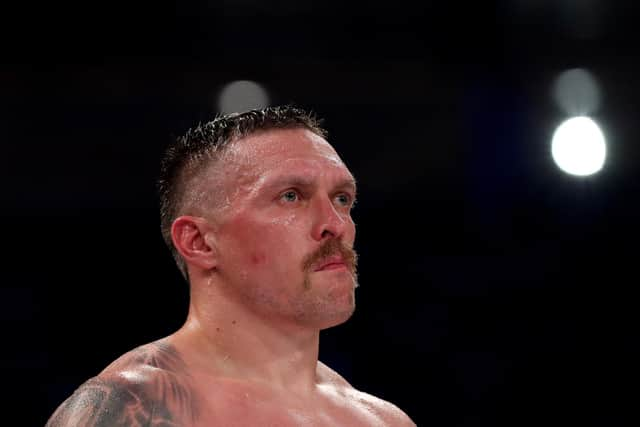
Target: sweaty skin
(149,386)
(152,386)
(269,268)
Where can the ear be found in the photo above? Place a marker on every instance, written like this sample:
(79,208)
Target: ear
(192,237)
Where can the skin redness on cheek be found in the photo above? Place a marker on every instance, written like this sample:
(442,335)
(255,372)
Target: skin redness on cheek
(258,258)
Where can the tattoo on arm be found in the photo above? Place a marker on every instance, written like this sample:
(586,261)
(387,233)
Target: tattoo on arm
(153,393)
(100,404)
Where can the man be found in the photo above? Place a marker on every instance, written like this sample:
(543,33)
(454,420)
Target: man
(256,210)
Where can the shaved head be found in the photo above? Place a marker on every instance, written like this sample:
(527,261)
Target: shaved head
(190,179)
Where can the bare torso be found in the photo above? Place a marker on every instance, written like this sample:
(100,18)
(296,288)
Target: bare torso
(152,386)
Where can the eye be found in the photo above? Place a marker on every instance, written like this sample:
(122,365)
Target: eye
(290,196)
(345,199)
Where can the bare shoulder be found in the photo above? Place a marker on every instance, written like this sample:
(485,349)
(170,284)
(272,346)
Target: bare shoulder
(388,412)
(146,386)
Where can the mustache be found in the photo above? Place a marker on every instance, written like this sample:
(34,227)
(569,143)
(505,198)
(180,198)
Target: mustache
(330,248)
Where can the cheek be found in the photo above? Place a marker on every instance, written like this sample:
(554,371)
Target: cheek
(351,231)
(272,242)
(258,258)
(262,244)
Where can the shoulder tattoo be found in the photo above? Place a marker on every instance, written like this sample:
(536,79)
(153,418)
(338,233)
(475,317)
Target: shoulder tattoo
(154,392)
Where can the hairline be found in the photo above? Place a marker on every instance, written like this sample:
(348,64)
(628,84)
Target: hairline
(199,149)
(211,165)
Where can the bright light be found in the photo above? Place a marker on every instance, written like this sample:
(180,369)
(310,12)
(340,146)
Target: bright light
(578,146)
(242,95)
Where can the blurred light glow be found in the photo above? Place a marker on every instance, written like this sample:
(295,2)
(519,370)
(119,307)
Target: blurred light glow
(576,92)
(242,95)
(578,146)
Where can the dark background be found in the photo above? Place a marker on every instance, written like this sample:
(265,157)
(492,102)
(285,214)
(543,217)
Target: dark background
(495,289)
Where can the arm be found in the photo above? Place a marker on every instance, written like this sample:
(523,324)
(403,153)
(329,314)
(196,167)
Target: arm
(149,386)
(102,403)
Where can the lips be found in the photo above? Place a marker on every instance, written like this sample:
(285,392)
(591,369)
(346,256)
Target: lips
(331,263)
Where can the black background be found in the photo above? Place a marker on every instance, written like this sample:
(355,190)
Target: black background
(495,290)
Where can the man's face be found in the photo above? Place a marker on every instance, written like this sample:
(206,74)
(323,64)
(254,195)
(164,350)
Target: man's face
(284,237)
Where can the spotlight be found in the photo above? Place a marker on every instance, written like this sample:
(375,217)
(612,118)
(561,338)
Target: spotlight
(578,146)
(242,95)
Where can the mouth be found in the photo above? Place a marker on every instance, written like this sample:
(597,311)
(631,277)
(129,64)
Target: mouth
(333,263)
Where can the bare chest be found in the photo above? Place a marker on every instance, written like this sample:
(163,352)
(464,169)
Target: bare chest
(241,407)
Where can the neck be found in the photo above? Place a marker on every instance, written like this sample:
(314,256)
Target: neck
(223,338)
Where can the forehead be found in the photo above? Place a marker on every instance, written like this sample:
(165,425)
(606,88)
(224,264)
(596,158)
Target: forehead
(283,149)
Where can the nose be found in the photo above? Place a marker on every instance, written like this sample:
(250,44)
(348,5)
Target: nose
(329,222)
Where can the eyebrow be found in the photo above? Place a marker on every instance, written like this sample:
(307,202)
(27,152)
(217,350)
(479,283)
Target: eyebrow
(306,182)
(348,183)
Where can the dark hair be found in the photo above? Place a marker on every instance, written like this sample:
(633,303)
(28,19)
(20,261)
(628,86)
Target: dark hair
(191,153)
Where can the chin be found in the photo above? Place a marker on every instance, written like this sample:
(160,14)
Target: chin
(329,302)
(338,319)
(338,312)
(325,313)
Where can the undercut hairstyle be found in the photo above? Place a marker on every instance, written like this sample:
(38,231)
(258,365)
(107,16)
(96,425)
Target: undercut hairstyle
(192,153)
